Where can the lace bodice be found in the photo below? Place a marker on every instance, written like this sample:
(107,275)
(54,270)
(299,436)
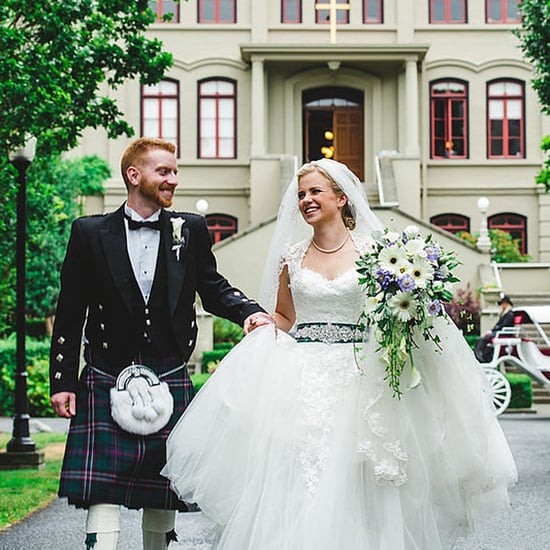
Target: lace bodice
(318,299)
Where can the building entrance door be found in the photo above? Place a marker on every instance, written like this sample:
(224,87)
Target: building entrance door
(333,128)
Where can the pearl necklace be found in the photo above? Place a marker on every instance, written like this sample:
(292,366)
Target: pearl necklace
(332,250)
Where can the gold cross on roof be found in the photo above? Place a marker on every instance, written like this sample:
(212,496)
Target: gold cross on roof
(332,6)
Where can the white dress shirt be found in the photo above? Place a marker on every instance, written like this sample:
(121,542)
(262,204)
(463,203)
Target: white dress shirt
(143,247)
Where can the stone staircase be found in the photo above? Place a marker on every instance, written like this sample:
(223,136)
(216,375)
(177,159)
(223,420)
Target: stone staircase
(541,395)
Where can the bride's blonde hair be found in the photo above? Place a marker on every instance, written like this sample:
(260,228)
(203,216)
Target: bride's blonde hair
(347,213)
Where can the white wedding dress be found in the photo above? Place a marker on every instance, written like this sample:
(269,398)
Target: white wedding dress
(301,446)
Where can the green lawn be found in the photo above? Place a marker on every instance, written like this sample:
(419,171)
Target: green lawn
(24,491)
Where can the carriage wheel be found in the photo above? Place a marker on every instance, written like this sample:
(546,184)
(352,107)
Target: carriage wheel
(501,392)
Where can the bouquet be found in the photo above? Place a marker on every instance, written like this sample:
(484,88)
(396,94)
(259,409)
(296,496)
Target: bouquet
(406,279)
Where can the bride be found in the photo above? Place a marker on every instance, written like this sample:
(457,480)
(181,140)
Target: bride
(296,442)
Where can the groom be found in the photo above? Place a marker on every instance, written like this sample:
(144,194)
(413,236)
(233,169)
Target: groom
(128,286)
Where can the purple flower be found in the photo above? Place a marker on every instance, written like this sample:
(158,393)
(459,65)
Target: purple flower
(406,283)
(433,308)
(385,278)
(432,253)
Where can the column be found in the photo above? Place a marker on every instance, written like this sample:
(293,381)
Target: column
(412,108)
(257,110)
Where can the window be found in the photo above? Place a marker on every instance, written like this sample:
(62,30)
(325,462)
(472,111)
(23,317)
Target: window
(323,16)
(165,10)
(217,11)
(447,11)
(502,11)
(217,120)
(373,11)
(515,224)
(448,111)
(160,111)
(453,223)
(505,123)
(291,11)
(221,226)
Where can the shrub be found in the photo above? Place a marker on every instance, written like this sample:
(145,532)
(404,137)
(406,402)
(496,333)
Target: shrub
(38,391)
(213,356)
(199,379)
(504,248)
(522,391)
(226,331)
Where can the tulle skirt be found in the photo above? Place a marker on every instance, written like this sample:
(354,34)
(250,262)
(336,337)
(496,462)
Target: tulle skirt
(301,446)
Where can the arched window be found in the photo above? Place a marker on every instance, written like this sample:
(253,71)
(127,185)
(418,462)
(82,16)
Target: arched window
(515,224)
(506,116)
(453,223)
(217,119)
(449,119)
(221,226)
(160,111)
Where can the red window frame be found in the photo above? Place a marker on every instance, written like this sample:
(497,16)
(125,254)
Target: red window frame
(291,11)
(221,226)
(449,6)
(163,8)
(217,98)
(511,141)
(512,223)
(453,223)
(503,6)
(373,5)
(449,114)
(162,98)
(218,6)
(322,16)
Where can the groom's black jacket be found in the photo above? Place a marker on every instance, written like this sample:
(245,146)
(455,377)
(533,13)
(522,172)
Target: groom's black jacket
(98,289)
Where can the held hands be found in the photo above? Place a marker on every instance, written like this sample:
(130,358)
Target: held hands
(256,320)
(64,404)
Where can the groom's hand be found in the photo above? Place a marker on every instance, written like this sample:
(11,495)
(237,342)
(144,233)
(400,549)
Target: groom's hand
(64,403)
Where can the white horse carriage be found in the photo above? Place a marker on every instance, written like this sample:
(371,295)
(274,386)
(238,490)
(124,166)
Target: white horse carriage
(520,347)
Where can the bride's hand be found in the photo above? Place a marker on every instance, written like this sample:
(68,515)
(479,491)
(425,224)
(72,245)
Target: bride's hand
(252,322)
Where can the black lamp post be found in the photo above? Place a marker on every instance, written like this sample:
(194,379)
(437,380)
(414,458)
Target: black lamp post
(21,451)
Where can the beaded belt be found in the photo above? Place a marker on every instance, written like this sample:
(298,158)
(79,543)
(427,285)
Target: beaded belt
(329,333)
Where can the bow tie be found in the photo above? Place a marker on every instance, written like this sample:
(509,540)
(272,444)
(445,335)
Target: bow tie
(134,224)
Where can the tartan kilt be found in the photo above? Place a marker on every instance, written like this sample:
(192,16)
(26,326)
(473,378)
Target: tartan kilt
(105,464)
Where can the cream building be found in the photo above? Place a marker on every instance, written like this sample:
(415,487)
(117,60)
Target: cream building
(428,101)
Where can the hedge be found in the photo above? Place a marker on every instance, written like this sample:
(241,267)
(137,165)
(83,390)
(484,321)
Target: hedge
(38,385)
(522,391)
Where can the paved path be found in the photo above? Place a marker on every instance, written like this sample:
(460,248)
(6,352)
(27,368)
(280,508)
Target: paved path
(525,527)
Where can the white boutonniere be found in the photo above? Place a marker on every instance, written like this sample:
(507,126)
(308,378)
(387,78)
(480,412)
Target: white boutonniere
(177,238)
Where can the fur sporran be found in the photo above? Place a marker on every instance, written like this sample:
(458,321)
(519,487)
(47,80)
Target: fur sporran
(140,403)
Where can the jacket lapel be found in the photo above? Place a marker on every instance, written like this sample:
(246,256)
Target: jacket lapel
(113,242)
(175,266)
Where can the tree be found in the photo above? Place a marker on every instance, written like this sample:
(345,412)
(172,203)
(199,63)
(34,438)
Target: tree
(55,186)
(60,60)
(534,37)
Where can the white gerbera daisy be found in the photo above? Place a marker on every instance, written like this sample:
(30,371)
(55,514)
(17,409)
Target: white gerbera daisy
(421,271)
(371,303)
(403,306)
(392,257)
